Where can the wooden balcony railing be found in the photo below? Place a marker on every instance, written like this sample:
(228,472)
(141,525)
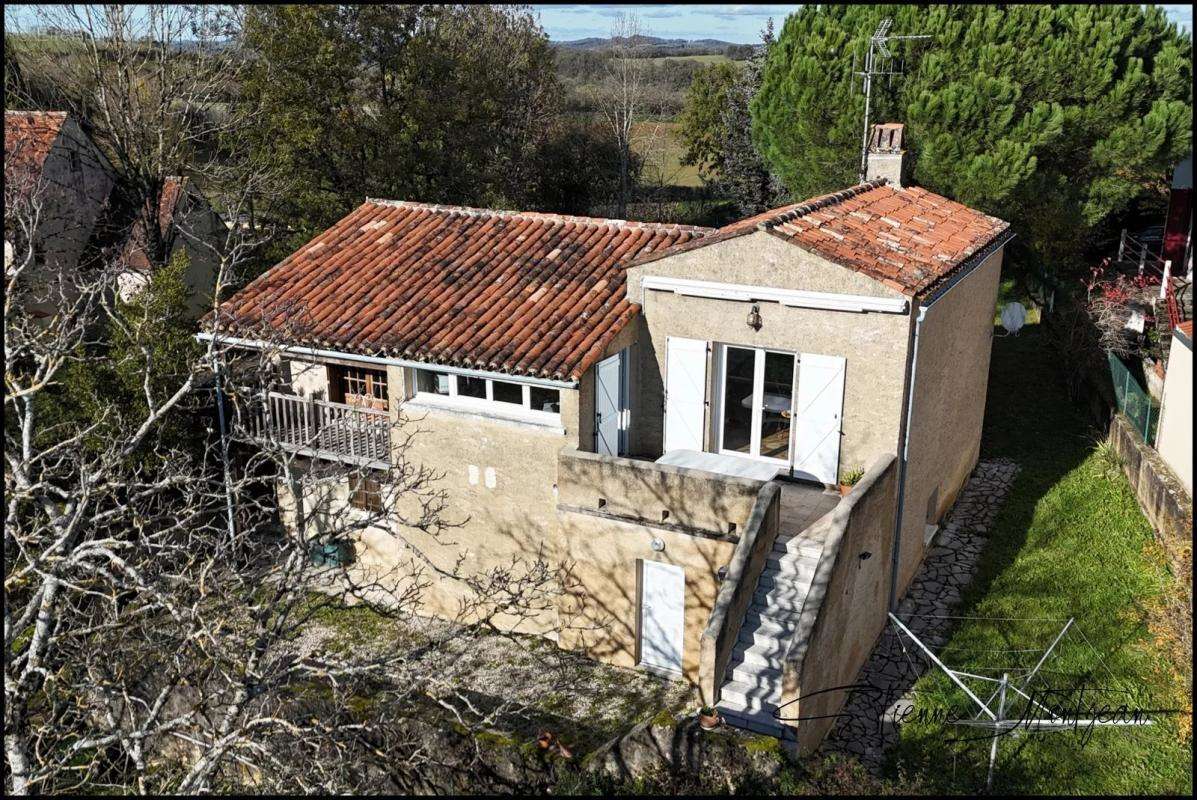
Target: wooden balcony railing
(326,430)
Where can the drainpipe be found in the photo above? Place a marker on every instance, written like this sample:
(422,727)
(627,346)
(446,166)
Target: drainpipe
(896,551)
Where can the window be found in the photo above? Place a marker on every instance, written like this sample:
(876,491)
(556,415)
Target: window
(543,399)
(74,156)
(471,387)
(365,493)
(499,398)
(358,386)
(429,382)
(505,392)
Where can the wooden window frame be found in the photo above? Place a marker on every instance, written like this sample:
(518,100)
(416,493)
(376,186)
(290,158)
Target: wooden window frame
(365,493)
(360,381)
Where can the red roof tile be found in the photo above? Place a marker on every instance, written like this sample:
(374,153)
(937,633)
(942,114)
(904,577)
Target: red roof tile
(28,138)
(518,292)
(1186,328)
(908,238)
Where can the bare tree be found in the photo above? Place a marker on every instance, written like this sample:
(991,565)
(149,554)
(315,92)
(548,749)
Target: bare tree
(623,97)
(150,645)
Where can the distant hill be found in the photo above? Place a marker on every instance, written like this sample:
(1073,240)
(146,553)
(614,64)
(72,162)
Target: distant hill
(656,46)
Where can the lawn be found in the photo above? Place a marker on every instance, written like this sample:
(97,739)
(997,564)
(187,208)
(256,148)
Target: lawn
(1069,542)
(662,150)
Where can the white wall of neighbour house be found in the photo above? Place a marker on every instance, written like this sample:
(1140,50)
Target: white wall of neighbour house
(1174,439)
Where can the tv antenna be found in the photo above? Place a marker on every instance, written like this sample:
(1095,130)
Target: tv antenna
(877,46)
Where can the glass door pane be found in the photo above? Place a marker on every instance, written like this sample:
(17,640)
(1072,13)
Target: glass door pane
(776,404)
(739,370)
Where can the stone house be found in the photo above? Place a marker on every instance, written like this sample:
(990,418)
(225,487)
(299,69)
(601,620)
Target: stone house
(53,169)
(665,412)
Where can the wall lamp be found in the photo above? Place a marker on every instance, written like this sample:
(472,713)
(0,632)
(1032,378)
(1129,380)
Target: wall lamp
(754,318)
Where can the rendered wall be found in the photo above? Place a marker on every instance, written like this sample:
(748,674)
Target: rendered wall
(950,385)
(873,343)
(845,609)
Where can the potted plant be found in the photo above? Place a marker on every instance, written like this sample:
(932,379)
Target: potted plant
(850,478)
(709,718)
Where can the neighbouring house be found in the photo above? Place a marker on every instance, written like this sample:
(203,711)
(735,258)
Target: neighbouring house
(53,169)
(1174,437)
(662,411)
(53,173)
(186,224)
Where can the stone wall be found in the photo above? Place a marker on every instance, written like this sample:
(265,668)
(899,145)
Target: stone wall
(1163,499)
(845,609)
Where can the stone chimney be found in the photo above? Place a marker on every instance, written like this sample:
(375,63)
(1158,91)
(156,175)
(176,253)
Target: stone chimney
(886,154)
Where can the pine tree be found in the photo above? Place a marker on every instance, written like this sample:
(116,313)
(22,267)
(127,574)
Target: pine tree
(744,176)
(1057,118)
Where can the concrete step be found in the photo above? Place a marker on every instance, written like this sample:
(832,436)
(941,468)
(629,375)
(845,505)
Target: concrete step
(766,679)
(793,564)
(799,577)
(748,697)
(759,623)
(757,722)
(767,653)
(780,598)
(798,544)
(763,629)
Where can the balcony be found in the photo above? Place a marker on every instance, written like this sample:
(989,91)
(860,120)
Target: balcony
(321,429)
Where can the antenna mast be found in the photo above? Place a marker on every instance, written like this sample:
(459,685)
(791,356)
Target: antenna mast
(877,46)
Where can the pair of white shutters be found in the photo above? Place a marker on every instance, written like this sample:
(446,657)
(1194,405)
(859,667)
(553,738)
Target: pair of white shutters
(818,413)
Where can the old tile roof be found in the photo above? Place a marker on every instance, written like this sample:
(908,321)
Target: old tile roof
(28,139)
(524,293)
(1186,328)
(906,237)
(133,253)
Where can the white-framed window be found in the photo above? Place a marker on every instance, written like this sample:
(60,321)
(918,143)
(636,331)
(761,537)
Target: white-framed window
(490,396)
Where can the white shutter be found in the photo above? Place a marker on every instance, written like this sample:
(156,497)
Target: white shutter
(820,406)
(685,393)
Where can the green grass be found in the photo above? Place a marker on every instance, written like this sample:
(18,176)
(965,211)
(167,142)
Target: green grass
(1070,541)
(659,144)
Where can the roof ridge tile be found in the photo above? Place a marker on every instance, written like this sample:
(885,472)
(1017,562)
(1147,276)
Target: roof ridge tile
(547,216)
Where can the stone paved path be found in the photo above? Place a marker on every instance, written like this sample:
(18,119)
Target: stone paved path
(949,565)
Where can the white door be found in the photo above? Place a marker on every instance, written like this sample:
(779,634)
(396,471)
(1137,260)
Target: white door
(820,405)
(607,405)
(662,615)
(685,393)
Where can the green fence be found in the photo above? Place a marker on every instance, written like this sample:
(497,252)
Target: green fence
(1133,400)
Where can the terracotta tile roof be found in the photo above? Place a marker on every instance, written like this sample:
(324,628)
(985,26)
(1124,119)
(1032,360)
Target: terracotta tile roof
(525,293)
(28,139)
(907,238)
(1186,328)
(134,254)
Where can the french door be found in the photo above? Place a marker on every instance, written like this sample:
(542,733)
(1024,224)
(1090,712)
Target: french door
(757,403)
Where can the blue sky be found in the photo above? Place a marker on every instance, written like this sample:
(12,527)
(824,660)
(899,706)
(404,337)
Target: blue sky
(731,23)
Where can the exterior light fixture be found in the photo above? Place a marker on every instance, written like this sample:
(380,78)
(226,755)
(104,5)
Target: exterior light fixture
(754,318)
(657,545)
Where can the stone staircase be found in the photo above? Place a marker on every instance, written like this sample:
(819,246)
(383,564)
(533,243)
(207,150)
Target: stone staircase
(752,687)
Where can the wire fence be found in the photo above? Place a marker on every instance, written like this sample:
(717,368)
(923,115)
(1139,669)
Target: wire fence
(1133,400)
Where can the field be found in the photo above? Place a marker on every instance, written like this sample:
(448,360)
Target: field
(658,144)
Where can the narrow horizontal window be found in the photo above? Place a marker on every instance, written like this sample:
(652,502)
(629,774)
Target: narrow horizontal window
(548,400)
(471,387)
(505,392)
(430,382)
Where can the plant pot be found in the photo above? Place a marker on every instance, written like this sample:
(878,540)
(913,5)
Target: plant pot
(845,488)
(709,721)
